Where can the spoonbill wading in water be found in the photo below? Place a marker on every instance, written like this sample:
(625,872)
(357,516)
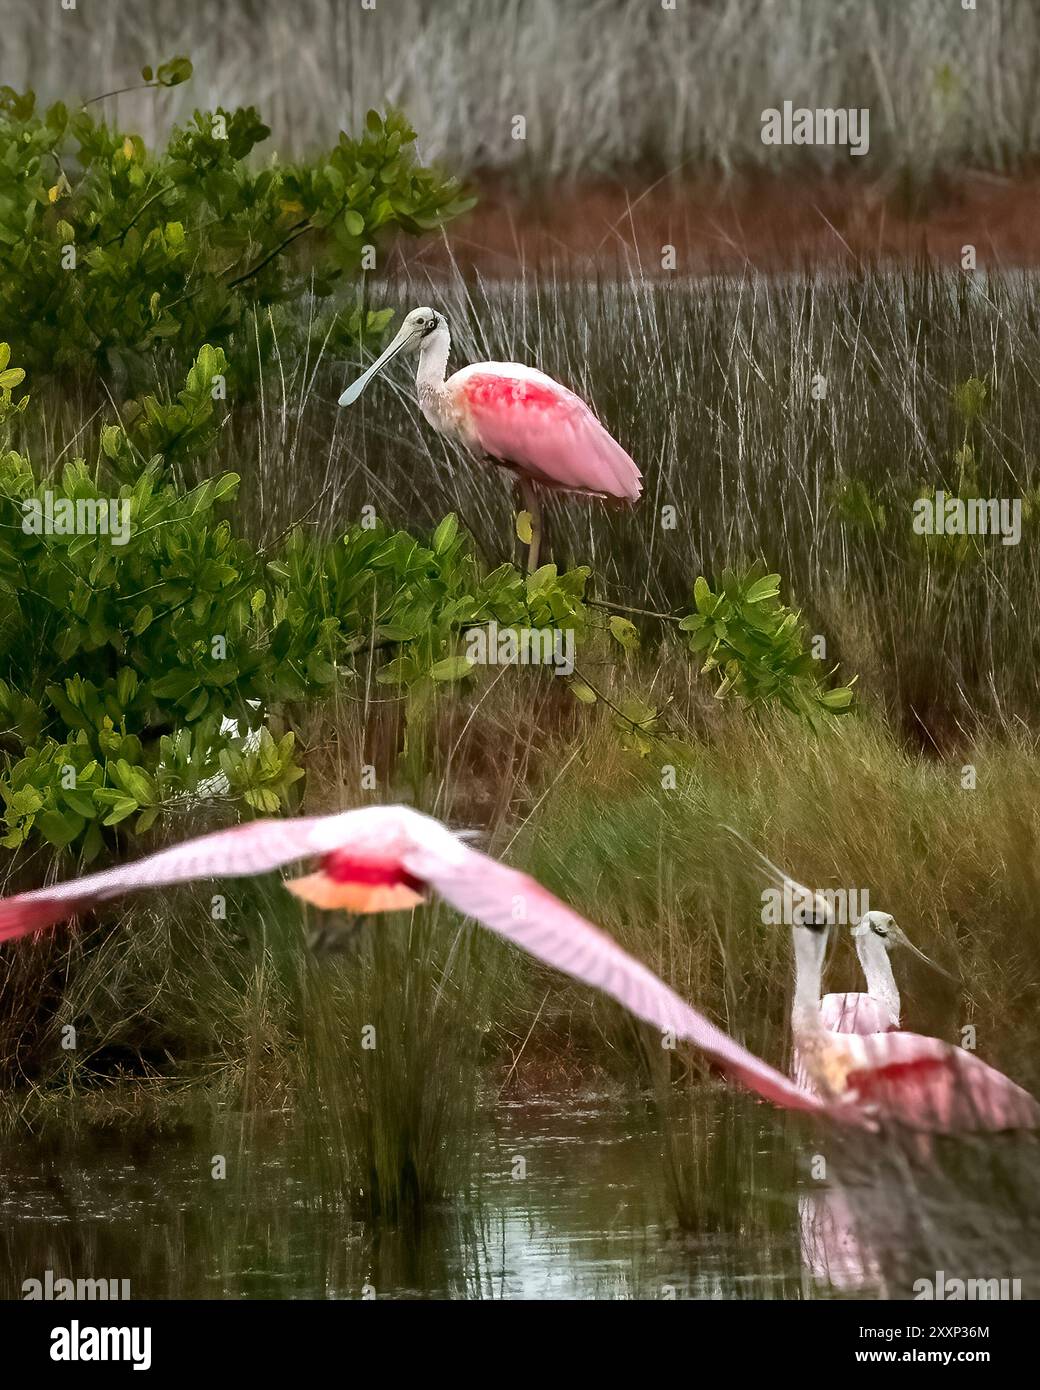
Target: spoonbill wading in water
(922,1083)
(514,416)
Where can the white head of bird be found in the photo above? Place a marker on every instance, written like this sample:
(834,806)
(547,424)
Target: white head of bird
(875,934)
(424,330)
(877,929)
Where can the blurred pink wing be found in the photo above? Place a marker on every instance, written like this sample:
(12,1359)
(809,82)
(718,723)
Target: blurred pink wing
(523,417)
(854,1013)
(927,1084)
(253,848)
(502,899)
(521,910)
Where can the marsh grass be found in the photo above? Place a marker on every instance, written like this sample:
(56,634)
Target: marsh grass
(376,1053)
(391,1062)
(607,87)
(709,385)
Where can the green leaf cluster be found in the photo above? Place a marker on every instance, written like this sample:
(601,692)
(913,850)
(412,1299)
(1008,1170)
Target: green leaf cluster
(113,254)
(135,657)
(10,379)
(756,645)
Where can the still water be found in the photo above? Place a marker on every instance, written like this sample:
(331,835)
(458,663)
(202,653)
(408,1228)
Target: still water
(572,1202)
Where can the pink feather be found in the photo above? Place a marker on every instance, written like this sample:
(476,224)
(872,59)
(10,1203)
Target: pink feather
(531,422)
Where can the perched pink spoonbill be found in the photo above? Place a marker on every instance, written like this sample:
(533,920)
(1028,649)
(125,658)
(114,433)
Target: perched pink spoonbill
(514,416)
(383,858)
(919,1082)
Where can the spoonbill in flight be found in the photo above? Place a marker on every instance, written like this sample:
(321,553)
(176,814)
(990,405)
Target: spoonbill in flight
(922,1083)
(514,416)
(386,858)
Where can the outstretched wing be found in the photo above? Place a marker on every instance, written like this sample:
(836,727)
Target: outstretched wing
(518,908)
(253,848)
(502,899)
(523,417)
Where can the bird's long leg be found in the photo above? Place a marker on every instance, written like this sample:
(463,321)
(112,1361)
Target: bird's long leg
(533,507)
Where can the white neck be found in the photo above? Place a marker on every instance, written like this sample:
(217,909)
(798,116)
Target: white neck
(881,983)
(433,360)
(809,948)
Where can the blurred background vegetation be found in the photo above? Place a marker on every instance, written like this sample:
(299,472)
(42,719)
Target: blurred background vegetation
(607,86)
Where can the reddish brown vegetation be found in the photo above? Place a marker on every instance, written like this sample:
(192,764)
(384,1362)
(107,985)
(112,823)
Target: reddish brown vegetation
(767,224)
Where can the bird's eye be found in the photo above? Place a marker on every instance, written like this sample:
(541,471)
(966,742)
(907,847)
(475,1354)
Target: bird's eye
(815,921)
(878,929)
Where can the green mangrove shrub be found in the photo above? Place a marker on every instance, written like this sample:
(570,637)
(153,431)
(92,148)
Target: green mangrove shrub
(111,253)
(131,635)
(756,645)
(151,657)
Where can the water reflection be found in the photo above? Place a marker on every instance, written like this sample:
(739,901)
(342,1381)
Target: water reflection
(576,1200)
(835,1250)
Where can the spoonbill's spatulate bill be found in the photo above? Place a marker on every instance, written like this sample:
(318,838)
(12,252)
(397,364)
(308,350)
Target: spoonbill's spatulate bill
(382,857)
(920,1082)
(512,415)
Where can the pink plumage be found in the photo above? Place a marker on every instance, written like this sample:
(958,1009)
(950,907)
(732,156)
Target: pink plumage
(504,900)
(845,1013)
(513,415)
(855,1013)
(528,421)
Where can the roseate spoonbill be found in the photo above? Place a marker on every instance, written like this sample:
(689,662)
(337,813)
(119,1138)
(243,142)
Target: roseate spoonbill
(514,416)
(874,935)
(919,1082)
(384,858)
